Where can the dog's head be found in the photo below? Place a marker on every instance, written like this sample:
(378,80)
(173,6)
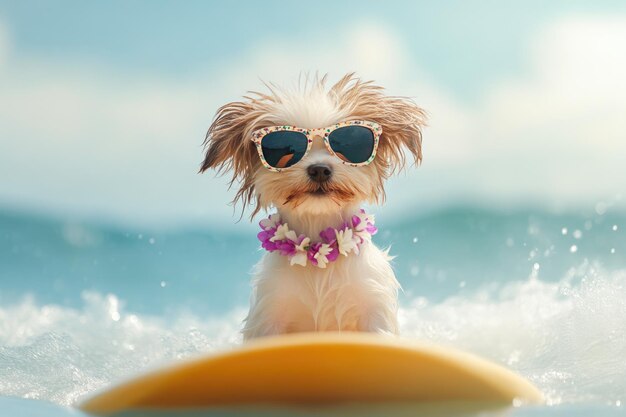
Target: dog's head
(321,181)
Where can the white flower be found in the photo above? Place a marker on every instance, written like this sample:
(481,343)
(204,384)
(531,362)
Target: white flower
(297,247)
(362,236)
(304,245)
(300,257)
(360,231)
(271,222)
(291,235)
(320,256)
(346,241)
(281,233)
(363,217)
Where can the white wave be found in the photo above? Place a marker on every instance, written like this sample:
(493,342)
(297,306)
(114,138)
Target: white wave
(59,354)
(567,337)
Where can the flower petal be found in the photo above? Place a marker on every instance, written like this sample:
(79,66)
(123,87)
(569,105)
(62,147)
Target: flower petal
(299,258)
(291,235)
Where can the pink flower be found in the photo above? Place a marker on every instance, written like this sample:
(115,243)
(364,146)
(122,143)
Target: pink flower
(265,238)
(313,249)
(371,229)
(276,236)
(328,235)
(363,225)
(286,247)
(320,254)
(334,252)
(356,220)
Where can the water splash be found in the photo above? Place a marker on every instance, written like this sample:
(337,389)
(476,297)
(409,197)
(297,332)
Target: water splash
(59,354)
(566,336)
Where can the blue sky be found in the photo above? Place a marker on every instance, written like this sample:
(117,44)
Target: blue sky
(103,106)
(463,44)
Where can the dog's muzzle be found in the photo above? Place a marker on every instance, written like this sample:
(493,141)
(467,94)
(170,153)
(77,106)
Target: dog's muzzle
(319,173)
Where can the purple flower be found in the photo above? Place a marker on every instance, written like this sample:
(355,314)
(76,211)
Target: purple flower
(276,236)
(371,229)
(356,220)
(286,247)
(300,239)
(328,235)
(265,237)
(334,253)
(269,246)
(313,251)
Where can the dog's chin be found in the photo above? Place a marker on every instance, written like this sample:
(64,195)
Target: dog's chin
(319,192)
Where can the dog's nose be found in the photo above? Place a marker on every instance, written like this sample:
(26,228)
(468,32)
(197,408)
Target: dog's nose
(319,172)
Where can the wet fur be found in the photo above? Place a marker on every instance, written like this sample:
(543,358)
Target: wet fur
(356,293)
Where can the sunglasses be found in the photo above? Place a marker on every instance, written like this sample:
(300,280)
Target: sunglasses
(353,142)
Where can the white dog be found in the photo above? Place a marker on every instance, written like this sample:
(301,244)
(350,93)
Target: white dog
(315,154)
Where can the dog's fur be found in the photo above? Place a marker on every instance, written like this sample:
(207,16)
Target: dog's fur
(354,293)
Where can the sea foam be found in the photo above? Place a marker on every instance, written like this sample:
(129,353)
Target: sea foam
(566,336)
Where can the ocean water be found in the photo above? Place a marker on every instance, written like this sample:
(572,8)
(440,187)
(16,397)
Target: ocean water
(83,305)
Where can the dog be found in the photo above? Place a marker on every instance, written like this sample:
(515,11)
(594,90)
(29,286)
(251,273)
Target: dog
(315,154)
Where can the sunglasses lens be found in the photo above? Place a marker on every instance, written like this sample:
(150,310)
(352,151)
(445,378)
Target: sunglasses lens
(353,144)
(282,149)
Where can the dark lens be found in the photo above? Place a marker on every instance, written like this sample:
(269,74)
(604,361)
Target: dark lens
(353,144)
(282,149)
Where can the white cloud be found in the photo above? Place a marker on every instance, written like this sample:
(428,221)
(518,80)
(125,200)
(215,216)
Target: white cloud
(104,143)
(93,146)
(577,69)
(554,134)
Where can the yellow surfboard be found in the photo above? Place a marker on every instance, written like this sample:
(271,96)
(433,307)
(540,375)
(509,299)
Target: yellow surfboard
(319,368)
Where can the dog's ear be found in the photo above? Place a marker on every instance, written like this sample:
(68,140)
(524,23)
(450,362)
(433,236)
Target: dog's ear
(402,122)
(401,119)
(228,146)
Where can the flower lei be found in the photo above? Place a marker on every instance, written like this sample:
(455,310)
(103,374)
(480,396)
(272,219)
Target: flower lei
(276,236)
